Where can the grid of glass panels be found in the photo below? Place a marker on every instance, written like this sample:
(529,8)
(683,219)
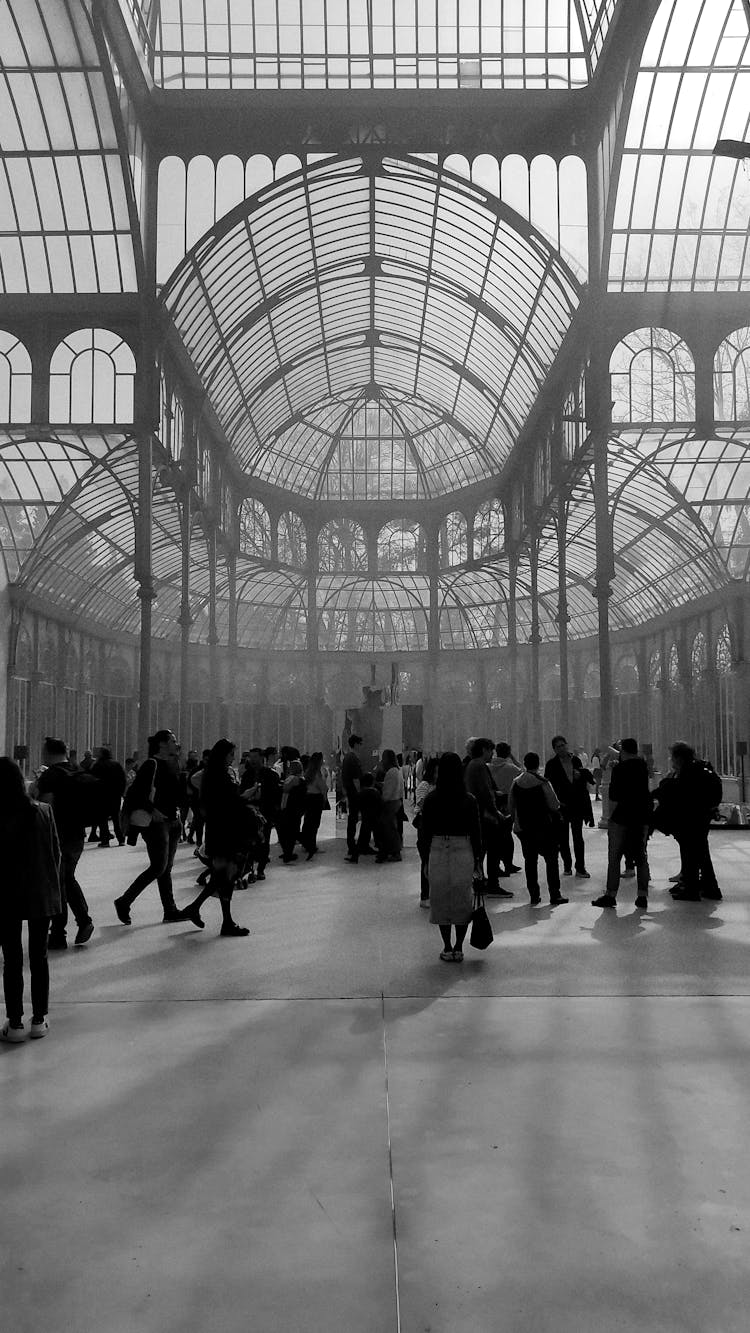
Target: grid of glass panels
(64,219)
(345,277)
(681,214)
(35,476)
(358,44)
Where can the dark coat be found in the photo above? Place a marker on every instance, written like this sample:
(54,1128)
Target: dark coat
(30,883)
(573,796)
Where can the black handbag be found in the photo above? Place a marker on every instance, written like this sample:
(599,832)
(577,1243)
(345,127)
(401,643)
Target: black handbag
(482,934)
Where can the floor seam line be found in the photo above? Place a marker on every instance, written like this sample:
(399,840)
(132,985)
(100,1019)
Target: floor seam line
(390,1167)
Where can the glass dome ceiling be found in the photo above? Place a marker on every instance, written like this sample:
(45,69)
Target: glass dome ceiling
(361,44)
(372,327)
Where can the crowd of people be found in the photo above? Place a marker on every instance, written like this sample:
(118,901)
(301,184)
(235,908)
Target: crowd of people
(467,813)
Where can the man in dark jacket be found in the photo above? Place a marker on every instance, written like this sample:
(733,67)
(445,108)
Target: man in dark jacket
(113,780)
(54,787)
(479,784)
(569,779)
(686,800)
(627,830)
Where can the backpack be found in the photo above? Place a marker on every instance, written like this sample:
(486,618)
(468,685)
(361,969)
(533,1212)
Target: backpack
(80,800)
(712,785)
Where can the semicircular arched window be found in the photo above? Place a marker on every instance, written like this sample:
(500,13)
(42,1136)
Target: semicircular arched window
(342,547)
(453,541)
(489,530)
(732,377)
(724,652)
(92,374)
(652,377)
(255,529)
(698,657)
(15,380)
(401,546)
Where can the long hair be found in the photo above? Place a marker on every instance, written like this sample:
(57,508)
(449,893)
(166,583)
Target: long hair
(388,760)
(215,774)
(314,765)
(156,740)
(14,797)
(449,784)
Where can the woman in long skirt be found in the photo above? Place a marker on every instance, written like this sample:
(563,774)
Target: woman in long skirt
(452,838)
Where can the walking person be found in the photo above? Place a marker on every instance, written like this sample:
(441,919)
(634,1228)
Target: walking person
(452,838)
(627,828)
(570,781)
(62,785)
(424,787)
(111,775)
(155,790)
(316,801)
(535,811)
(230,829)
(351,777)
(30,892)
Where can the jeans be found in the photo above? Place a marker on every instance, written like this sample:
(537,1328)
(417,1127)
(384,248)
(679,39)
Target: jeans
(161,844)
(352,806)
(71,893)
(11,942)
(533,847)
(314,805)
(572,825)
(627,839)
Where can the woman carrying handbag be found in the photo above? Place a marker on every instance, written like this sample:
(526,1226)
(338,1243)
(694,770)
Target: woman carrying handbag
(450,833)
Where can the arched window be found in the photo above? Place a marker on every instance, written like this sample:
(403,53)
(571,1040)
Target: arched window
(489,530)
(255,529)
(654,669)
(652,378)
(92,373)
(177,433)
(724,652)
(15,380)
(732,377)
(673,665)
(453,541)
(626,676)
(401,546)
(341,547)
(591,682)
(698,658)
(551,686)
(292,540)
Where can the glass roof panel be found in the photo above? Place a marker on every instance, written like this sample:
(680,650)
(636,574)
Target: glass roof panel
(64,220)
(351,44)
(348,276)
(681,214)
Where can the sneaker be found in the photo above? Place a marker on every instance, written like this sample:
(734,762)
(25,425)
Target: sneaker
(12,1034)
(84,933)
(458,955)
(447,956)
(39,1029)
(424,902)
(642,902)
(234,930)
(559,901)
(606,900)
(123,911)
(582,874)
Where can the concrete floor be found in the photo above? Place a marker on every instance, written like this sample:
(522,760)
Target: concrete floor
(323,1127)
